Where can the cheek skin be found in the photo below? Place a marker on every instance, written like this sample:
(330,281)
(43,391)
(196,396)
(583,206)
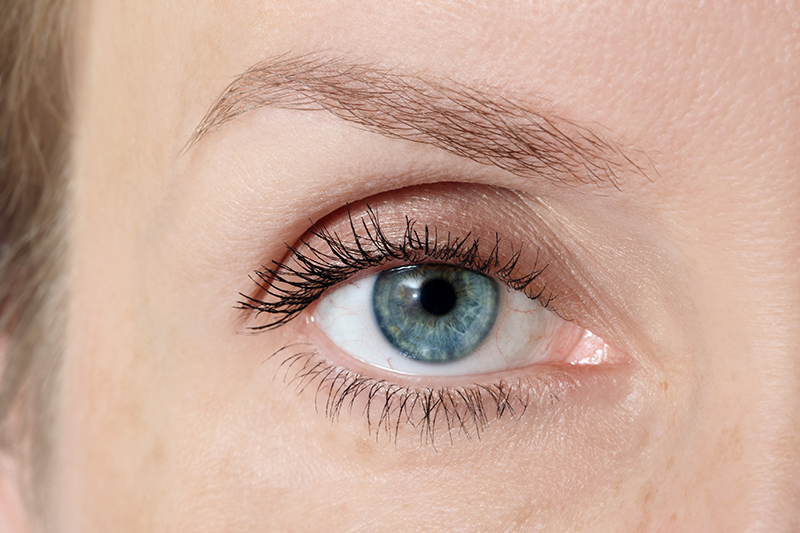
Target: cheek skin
(231,427)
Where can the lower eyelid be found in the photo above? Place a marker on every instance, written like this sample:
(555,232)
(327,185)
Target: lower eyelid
(429,408)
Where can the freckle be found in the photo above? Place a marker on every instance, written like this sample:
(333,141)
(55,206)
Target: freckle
(646,500)
(665,385)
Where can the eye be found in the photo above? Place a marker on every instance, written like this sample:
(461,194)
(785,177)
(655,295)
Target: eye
(434,325)
(443,320)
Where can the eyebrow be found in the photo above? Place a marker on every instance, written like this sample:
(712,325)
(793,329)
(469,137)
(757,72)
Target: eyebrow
(476,123)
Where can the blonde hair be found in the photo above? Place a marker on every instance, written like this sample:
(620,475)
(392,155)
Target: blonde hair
(34,144)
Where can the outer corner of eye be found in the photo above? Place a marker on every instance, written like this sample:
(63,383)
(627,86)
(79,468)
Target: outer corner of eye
(442,320)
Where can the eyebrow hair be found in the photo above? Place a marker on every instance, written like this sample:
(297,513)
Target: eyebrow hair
(470,122)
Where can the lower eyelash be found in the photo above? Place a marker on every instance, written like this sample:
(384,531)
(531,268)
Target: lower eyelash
(388,407)
(288,290)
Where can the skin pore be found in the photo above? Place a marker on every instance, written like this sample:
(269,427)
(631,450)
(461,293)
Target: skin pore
(661,195)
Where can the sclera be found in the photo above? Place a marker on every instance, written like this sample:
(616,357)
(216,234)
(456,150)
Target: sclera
(525,333)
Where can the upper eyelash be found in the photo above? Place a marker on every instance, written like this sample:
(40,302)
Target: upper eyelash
(295,288)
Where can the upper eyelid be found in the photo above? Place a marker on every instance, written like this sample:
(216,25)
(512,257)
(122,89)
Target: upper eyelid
(348,259)
(469,122)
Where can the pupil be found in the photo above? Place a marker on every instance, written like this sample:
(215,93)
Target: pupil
(437,297)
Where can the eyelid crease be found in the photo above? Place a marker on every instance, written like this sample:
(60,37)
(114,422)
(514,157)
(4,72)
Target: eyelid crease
(286,290)
(474,123)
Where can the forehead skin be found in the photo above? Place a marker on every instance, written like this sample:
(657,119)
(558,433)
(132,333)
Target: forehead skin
(169,421)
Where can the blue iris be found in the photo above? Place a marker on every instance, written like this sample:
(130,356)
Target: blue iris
(435,313)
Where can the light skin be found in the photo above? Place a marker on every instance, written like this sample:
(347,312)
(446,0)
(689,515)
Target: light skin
(682,255)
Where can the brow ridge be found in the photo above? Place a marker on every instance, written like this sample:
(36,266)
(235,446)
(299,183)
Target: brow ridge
(478,124)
